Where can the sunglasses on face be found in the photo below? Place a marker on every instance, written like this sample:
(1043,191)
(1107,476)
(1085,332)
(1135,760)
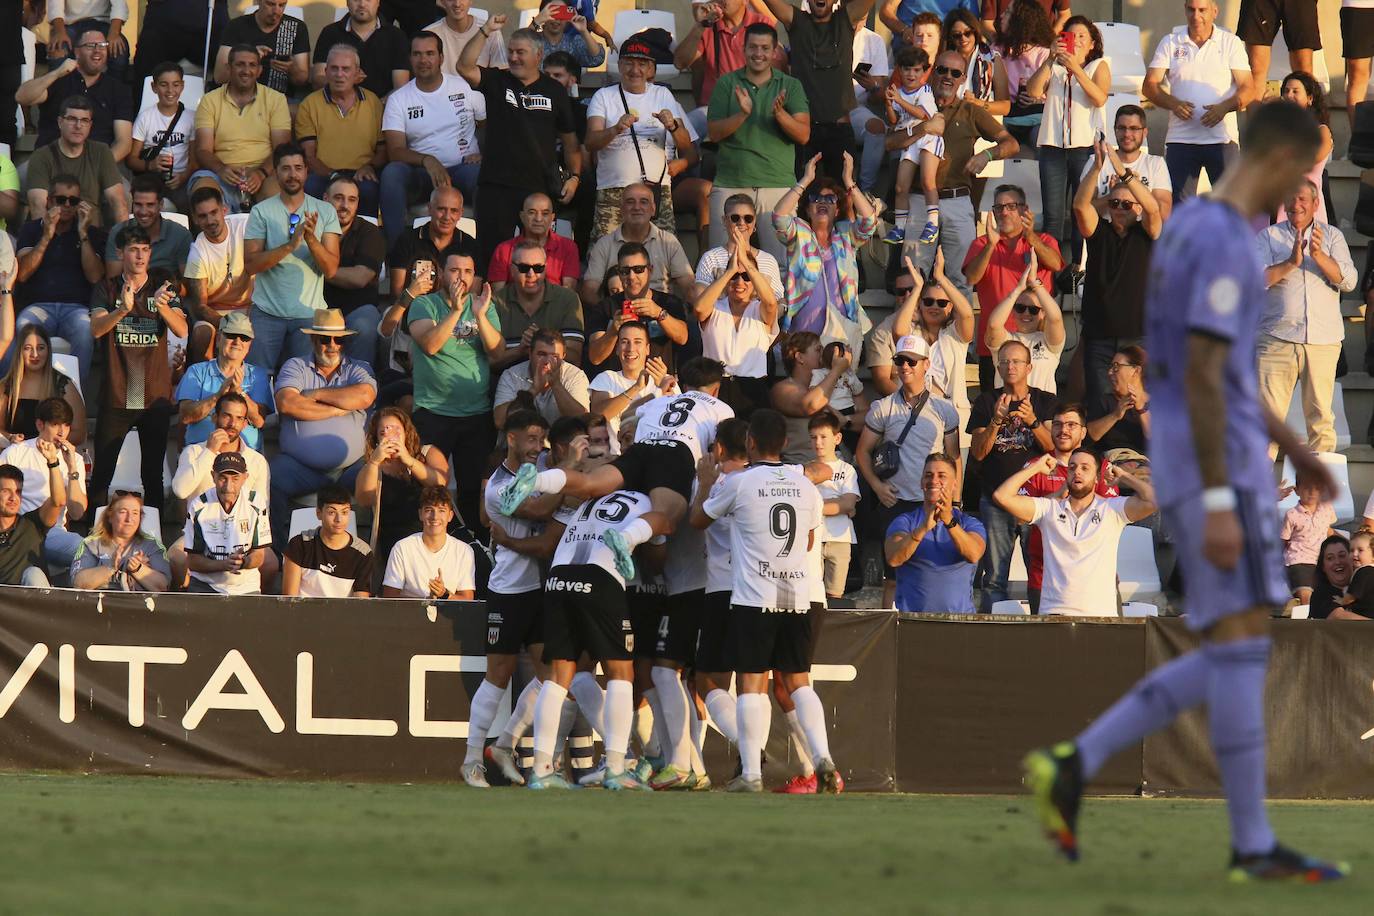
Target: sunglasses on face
(824,199)
(529,268)
(120,494)
(746,218)
(633,269)
(1117,203)
(1026,309)
(962,33)
(740,277)
(949,71)
(63,200)
(240,338)
(905,361)
(940,304)
(325,340)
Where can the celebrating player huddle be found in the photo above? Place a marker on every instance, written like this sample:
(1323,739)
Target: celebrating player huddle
(695,551)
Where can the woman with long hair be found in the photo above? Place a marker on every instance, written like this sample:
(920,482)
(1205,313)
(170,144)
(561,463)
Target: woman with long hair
(1025,38)
(797,399)
(1303,89)
(986,82)
(397,468)
(1335,569)
(822,254)
(120,555)
(942,315)
(1121,419)
(33,378)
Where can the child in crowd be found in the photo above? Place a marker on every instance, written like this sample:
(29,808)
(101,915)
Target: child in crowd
(841,495)
(1359,596)
(1305,526)
(909,102)
(847,398)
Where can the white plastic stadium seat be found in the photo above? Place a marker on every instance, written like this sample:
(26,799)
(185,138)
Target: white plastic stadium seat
(632,22)
(1121,47)
(191,93)
(1344,502)
(1139,609)
(1298,423)
(1026,174)
(304,520)
(152,521)
(179,218)
(66,364)
(1018,608)
(526,17)
(340,13)
(1136,572)
(1017,576)
(1301,612)
(995,168)
(469,225)
(1115,102)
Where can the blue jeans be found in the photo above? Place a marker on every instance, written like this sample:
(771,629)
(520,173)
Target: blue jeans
(69,320)
(958,229)
(402,182)
(275,340)
(1060,170)
(1097,356)
(368,192)
(291,478)
(1187,160)
(1003,530)
(363,345)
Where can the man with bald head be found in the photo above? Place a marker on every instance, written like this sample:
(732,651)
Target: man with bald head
(563,265)
(671,271)
(417,257)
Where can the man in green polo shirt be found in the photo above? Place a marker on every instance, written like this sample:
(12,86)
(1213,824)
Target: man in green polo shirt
(758,116)
(456,334)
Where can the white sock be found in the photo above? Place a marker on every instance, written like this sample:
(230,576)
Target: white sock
(480,717)
(551,481)
(646,719)
(637,532)
(933,215)
(567,718)
(899,216)
(799,742)
(755,718)
(520,717)
(590,697)
(695,727)
(618,713)
(720,706)
(811,714)
(698,765)
(547,710)
(672,697)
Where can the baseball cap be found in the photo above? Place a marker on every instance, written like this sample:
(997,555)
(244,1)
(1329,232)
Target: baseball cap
(236,323)
(913,345)
(230,462)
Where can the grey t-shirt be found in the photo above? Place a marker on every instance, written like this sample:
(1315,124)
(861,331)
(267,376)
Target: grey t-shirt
(95,551)
(888,417)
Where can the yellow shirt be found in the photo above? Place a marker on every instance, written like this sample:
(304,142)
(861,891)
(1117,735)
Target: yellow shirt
(343,141)
(243,136)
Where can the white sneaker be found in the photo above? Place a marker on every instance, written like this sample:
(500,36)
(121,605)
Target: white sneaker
(504,761)
(475,775)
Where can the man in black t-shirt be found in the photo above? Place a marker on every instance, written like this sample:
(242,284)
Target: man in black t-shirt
(382,48)
(665,315)
(353,288)
(329,561)
(21,536)
(1009,426)
(529,113)
(282,41)
(85,73)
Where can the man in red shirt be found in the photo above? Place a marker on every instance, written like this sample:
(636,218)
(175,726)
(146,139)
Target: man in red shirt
(717,40)
(563,265)
(1067,431)
(995,262)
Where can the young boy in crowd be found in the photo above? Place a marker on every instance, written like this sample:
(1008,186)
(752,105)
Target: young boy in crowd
(841,496)
(909,102)
(847,399)
(1305,526)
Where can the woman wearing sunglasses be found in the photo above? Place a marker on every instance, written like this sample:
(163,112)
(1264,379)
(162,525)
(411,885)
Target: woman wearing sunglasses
(986,78)
(940,314)
(822,265)
(1039,324)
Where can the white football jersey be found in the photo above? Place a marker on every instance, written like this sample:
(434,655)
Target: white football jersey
(581,542)
(690,418)
(718,575)
(512,573)
(775,512)
(684,569)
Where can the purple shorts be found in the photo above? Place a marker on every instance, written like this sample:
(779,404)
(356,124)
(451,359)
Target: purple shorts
(1258,579)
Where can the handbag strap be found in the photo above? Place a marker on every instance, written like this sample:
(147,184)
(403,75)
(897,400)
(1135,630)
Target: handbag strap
(634,137)
(915,412)
(167,134)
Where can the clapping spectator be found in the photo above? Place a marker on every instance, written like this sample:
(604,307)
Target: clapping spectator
(282,44)
(757,116)
(339,128)
(1038,323)
(164,134)
(738,315)
(630,127)
(119,555)
(1131,134)
(1305,527)
(717,39)
(1074,82)
(664,314)
(934,547)
(171,242)
(353,287)
(985,84)
(1301,88)
(531,302)
(430,129)
(432,564)
(562,28)
(562,263)
(822,254)
(206,382)
(399,466)
(1120,418)
(457,28)
(133,314)
(32,378)
(938,313)
(84,75)
(227,533)
(33,457)
(1119,248)
(559,387)
(238,126)
(800,396)
(216,283)
(742,221)
(384,53)
(89,164)
(22,533)
(328,561)
(617,393)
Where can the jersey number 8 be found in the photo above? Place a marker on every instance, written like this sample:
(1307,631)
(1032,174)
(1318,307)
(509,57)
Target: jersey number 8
(677,413)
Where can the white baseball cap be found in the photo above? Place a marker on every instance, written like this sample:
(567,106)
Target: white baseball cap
(913,345)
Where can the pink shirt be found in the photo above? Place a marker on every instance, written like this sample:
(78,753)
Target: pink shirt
(562,260)
(1304,531)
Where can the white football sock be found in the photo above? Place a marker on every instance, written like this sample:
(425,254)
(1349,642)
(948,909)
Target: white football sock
(755,718)
(794,728)
(720,706)
(590,697)
(933,215)
(637,532)
(811,714)
(695,727)
(481,714)
(567,718)
(645,721)
(618,714)
(520,717)
(672,697)
(551,481)
(547,710)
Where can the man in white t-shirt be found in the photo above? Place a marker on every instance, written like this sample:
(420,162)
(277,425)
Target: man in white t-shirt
(1131,136)
(459,25)
(1080,533)
(430,129)
(738,314)
(216,282)
(53,418)
(176,157)
(1209,81)
(227,532)
(617,393)
(431,564)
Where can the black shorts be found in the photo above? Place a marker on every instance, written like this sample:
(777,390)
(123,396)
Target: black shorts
(1301,575)
(678,628)
(1357,33)
(713,647)
(1260,20)
(585,611)
(646,609)
(646,466)
(514,621)
(767,640)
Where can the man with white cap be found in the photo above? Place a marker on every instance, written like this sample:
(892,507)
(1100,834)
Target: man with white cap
(901,430)
(323,402)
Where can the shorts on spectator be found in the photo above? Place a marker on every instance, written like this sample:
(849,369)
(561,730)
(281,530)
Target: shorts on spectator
(646,610)
(646,466)
(233,200)
(679,628)
(835,554)
(713,655)
(1301,575)
(764,639)
(608,211)
(514,621)
(1357,33)
(935,145)
(1260,19)
(585,611)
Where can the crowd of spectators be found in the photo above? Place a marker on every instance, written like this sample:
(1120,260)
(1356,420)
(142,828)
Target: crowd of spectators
(242,275)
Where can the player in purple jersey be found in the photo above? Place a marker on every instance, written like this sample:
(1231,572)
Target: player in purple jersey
(1214,481)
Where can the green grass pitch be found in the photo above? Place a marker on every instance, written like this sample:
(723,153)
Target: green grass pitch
(126,845)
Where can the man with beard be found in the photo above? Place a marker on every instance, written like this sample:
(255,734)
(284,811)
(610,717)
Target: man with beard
(1131,136)
(1080,531)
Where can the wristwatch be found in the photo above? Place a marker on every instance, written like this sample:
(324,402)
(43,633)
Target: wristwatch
(951,524)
